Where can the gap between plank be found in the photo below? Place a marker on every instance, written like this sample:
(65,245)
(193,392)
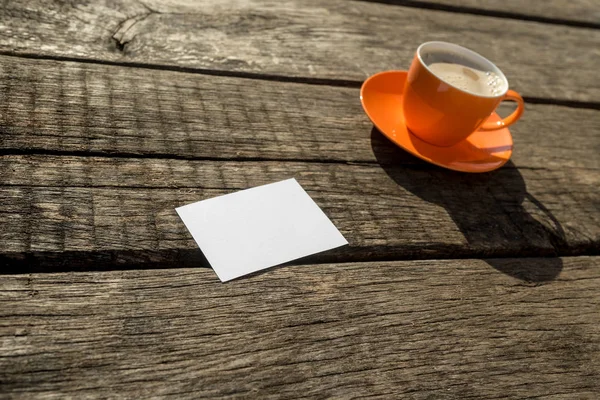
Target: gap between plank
(166,156)
(125,260)
(344,83)
(488,13)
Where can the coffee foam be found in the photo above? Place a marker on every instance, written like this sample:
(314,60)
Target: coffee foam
(481,83)
(464,74)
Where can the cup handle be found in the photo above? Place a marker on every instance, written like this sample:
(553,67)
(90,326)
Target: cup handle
(512,118)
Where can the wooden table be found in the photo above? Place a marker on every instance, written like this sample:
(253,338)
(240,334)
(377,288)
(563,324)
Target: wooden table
(457,286)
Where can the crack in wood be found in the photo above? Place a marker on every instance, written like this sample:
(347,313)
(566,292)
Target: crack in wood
(461,9)
(119,36)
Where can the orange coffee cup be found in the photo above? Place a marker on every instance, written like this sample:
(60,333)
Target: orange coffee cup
(447,106)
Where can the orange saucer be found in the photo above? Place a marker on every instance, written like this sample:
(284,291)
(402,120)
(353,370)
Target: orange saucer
(381,97)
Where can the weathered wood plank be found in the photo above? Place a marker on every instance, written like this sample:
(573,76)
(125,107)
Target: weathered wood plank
(336,39)
(74,107)
(420,329)
(104,209)
(572,10)
(121,211)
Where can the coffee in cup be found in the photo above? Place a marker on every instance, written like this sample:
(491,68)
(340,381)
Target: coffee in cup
(474,81)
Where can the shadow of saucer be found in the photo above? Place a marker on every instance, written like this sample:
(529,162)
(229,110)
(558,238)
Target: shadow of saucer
(487,208)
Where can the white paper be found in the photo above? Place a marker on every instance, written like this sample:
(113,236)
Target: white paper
(258,228)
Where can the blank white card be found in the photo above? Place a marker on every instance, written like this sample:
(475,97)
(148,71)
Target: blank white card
(258,228)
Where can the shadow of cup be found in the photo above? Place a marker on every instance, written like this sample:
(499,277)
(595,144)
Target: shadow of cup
(487,208)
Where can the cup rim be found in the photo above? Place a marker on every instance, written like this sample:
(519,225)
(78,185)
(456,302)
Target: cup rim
(472,53)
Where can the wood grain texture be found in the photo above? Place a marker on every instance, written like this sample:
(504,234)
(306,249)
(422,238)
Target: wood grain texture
(161,135)
(73,212)
(419,329)
(571,10)
(98,109)
(336,39)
